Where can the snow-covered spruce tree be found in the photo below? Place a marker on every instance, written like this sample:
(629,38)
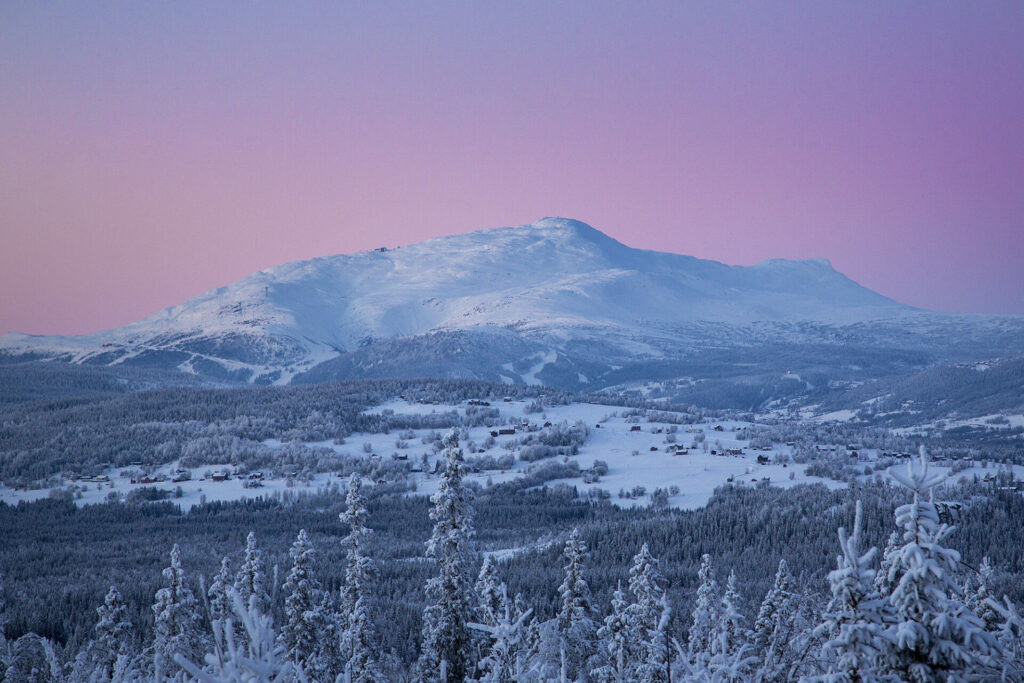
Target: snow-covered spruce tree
(882,581)
(778,601)
(3,610)
(177,628)
(306,622)
(113,635)
(1011,639)
(356,628)
(612,639)
(30,659)
(6,647)
(935,635)
(706,611)
(530,644)
(657,665)
(259,660)
(729,656)
(775,629)
(855,620)
(650,662)
(218,595)
(490,593)
(508,657)
(446,637)
(731,634)
(576,628)
(978,598)
(251,580)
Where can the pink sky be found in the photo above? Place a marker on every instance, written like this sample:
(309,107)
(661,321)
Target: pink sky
(149,152)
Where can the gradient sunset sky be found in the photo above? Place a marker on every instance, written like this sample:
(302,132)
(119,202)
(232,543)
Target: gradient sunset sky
(152,151)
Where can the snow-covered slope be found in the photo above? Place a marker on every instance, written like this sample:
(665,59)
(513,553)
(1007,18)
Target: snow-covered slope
(518,297)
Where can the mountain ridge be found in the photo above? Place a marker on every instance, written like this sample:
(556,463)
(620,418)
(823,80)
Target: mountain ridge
(555,286)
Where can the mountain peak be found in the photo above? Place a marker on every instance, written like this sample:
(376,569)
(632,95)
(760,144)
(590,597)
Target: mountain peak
(822,263)
(574,232)
(565,224)
(554,281)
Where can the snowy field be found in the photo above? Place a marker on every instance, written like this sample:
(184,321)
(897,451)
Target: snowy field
(637,454)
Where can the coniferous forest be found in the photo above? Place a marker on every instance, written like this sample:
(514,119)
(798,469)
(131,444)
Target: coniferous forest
(877,583)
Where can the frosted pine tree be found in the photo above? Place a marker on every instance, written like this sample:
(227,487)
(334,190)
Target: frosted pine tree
(6,647)
(731,634)
(356,638)
(645,615)
(446,637)
(936,636)
(260,660)
(855,619)
(657,665)
(885,577)
(613,641)
(305,615)
(177,628)
(775,607)
(508,658)
(490,593)
(576,628)
(251,581)
(1011,639)
(729,656)
(775,629)
(218,594)
(980,595)
(530,643)
(706,611)
(113,635)
(3,612)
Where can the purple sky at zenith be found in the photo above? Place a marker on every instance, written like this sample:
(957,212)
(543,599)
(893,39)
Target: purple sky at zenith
(152,151)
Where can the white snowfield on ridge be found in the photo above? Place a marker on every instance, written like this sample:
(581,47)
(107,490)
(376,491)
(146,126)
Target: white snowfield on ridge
(555,279)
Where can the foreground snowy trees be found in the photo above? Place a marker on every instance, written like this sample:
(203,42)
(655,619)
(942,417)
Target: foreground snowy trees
(576,629)
(447,639)
(306,634)
(855,620)
(904,618)
(177,629)
(356,649)
(934,633)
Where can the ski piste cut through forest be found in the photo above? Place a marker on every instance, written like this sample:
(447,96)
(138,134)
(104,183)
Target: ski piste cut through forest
(915,612)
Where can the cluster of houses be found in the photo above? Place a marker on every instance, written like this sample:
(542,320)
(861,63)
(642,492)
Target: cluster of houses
(99,478)
(514,427)
(252,479)
(178,475)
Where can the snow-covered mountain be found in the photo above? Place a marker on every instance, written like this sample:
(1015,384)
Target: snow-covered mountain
(555,301)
